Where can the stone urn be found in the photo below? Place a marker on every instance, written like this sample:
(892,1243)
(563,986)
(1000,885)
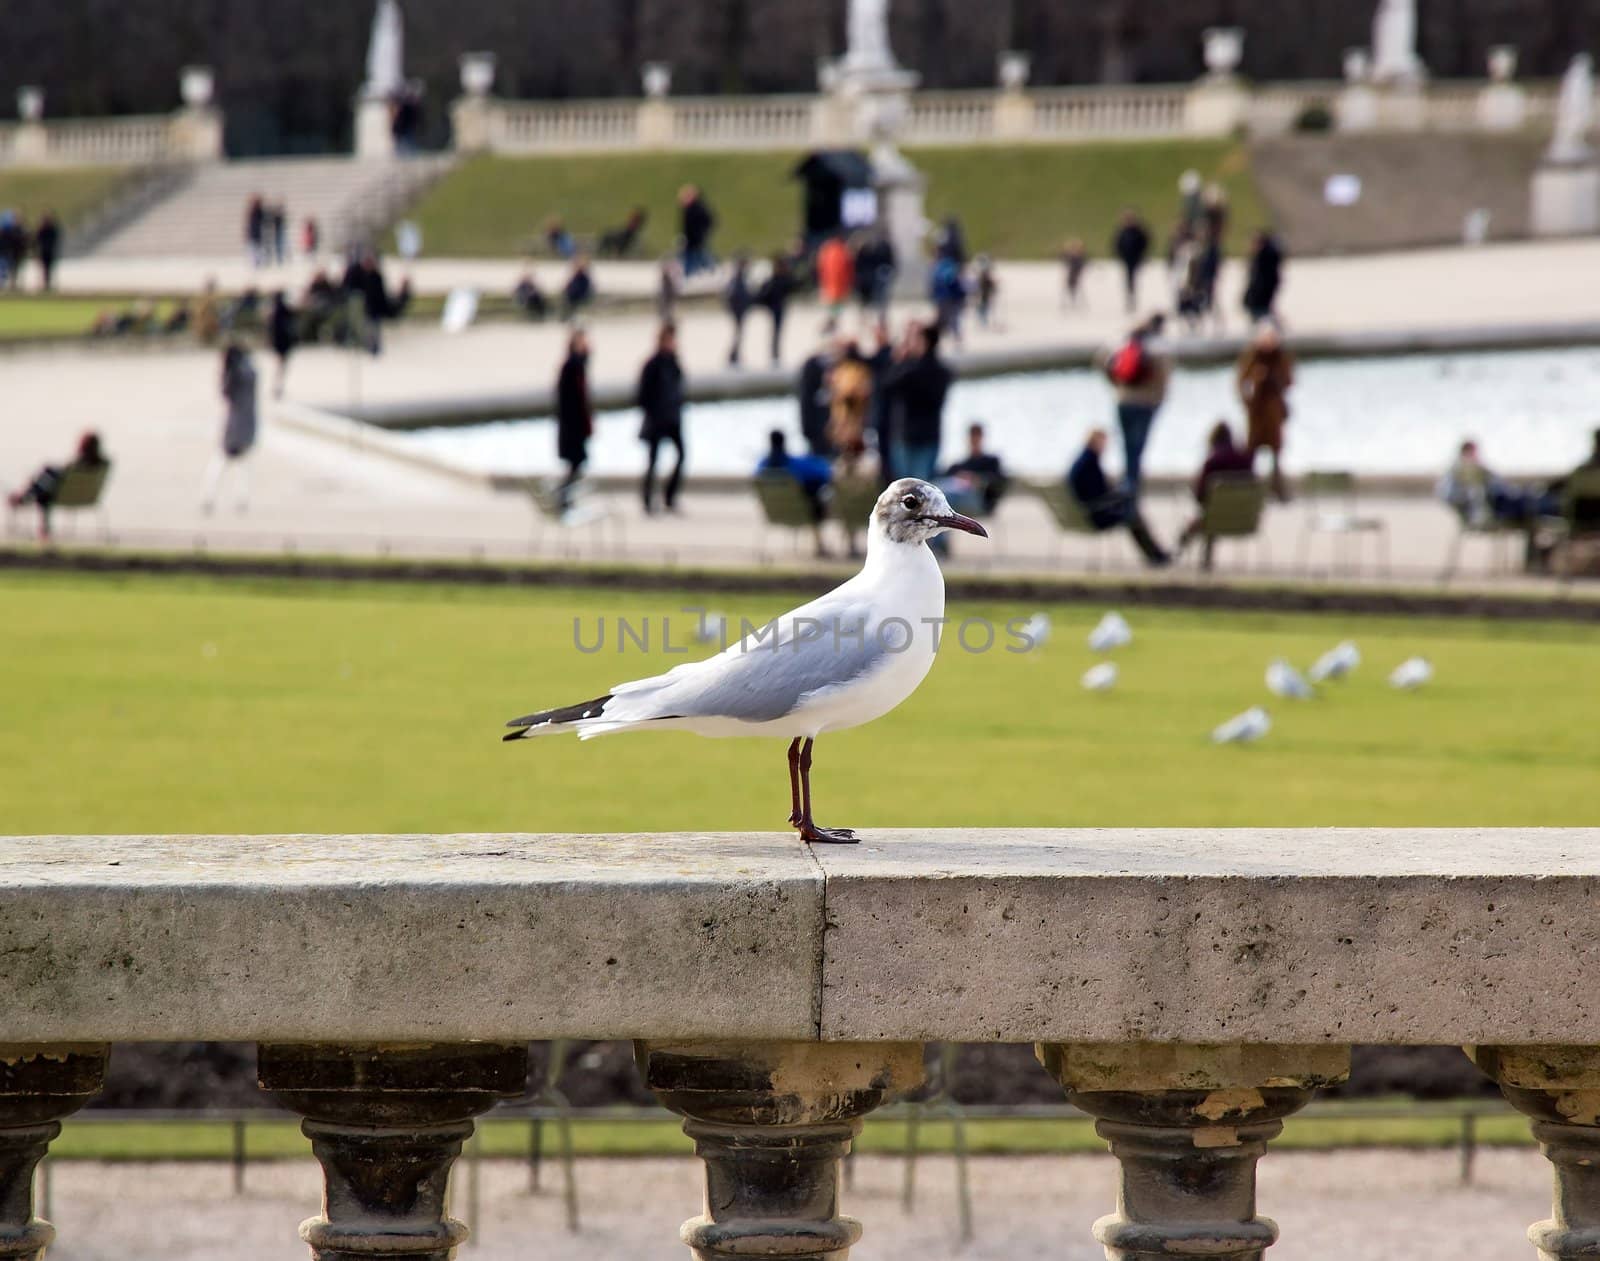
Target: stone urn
(1224,50)
(1357,65)
(30,103)
(1503,63)
(477,73)
(1013,70)
(657,79)
(197,85)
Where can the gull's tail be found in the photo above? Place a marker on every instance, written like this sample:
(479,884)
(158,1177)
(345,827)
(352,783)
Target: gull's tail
(563,719)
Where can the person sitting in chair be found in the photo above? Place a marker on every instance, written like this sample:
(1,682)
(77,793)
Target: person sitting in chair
(813,473)
(46,483)
(1223,456)
(1109,506)
(977,481)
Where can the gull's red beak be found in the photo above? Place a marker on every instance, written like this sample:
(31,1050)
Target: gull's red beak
(955,521)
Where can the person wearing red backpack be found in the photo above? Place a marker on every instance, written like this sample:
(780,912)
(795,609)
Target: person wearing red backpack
(1139,371)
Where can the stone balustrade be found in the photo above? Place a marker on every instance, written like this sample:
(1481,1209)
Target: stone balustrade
(1189,989)
(188,135)
(1211,106)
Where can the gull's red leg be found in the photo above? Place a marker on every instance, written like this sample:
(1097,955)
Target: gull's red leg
(794,781)
(809,831)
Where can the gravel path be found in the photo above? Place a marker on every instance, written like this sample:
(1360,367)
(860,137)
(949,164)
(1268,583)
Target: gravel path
(1345,1206)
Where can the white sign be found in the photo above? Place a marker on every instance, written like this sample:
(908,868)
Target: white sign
(858,208)
(408,238)
(1342,190)
(460,309)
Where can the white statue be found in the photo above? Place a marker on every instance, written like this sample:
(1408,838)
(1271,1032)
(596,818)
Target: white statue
(1394,42)
(385,75)
(869,36)
(1574,111)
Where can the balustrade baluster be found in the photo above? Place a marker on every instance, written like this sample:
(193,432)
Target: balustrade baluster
(38,1086)
(387,1123)
(772,1121)
(1187,1125)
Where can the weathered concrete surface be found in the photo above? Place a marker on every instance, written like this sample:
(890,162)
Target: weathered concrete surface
(1265,935)
(380,938)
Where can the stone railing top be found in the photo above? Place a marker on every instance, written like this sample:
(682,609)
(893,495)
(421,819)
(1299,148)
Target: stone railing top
(1249,935)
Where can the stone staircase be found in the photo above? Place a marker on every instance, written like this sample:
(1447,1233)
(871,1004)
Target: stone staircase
(203,216)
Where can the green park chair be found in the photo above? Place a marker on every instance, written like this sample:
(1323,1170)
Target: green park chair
(1580,515)
(1330,502)
(1475,521)
(1071,517)
(579,508)
(851,506)
(1234,504)
(82,489)
(784,504)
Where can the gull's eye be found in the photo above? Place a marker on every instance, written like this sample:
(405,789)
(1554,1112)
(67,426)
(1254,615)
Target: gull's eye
(910,501)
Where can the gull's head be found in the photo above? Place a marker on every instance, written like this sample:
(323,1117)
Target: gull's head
(912,511)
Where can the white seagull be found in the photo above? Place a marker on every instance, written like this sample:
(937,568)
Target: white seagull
(1284,680)
(840,661)
(1337,662)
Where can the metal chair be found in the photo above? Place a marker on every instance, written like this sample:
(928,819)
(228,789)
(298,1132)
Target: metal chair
(81,489)
(573,509)
(549,1096)
(1331,508)
(1071,517)
(1476,520)
(785,504)
(1233,508)
(853,500)
(937,1102)
(1580,514)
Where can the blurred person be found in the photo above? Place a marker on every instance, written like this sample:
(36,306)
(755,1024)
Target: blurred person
(951,242)
(1265,276)
(238,429)
(987,286)
(276,231)
(282,335)
(1109,506)
(528,298)
(977,480)
(696,222)
(365,286)
(310,236)
(578,292)
(948,289)
(916,386)
(1131,244)
(1139,371)
(13,249)
(812,472)
(255,226)
(1074,258)
(738,298)
(661,399)
(1213,213)
(47,248)
(319,306)
(1189,199)
(207,313)
(42,488)
(875,271)
(815,401)
(557,239)
(669,285)
(1474,491)
(849,407)
(574,412)
(1265,373)
(774,295)
(835,278)
(1223,457)
(619,242)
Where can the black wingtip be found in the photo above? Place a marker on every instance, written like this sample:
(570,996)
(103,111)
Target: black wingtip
(520,734)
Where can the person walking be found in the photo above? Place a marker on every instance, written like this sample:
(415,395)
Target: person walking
(364,285)
(282,334)
(1131,244)
(738,298)
(574,412)
(238,428)
(836,277)
(1265,276)
(1074,258)
(255,225)
(948,289)
(815,401)
(1265,373)
(916,387)
(696,222)
(1139,371)
(774,294)
(47,246)
(661,386)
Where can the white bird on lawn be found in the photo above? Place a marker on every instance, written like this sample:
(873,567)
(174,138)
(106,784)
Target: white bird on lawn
(1100,678)
(1036,630)
(1111,631)
(840,661)
(1411,673)
(1244,728)
(1337,662)
(1284,680)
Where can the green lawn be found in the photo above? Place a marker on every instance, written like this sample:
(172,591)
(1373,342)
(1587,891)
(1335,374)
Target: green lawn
(187,705)
(93,1136)
(70,191)
(1018,201)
